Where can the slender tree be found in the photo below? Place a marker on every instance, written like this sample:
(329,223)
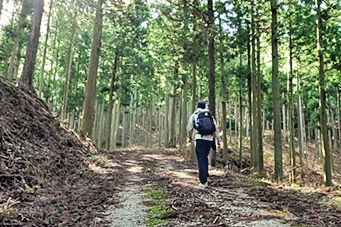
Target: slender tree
(290,105)
(276,95)
(69,65)
(322,102)
(172,141)
(90,92)
(211,73)
(42,70)
(17,38)
(111,94)
(26,80)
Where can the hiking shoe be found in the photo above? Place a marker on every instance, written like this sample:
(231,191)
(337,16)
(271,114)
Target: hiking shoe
(203,185)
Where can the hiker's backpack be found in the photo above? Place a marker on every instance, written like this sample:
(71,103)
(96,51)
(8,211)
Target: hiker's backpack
(205,124)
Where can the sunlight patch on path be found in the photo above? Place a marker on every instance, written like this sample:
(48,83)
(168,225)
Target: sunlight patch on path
(131,213)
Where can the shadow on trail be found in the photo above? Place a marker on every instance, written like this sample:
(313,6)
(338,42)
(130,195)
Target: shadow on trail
(230,200)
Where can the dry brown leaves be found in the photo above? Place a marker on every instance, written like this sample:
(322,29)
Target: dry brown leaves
(44,174)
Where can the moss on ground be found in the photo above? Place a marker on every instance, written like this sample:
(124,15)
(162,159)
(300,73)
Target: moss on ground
(157,207)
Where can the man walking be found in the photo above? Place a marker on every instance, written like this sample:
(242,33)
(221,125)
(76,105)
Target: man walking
(205,127)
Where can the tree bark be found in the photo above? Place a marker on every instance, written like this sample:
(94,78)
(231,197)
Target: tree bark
(117,121)
(42,70)
(249,84)
(240,128)
(259,108)
(26,80)
(211,73)
(211,52)
(69,68)
(338,138)
(284,121)
(1,6)
(301,122)
(223,101)
(184,114)
(17,61)
(276,95)
(334,130)
(291,123)
(166,121)
(254,85)
(16,48)
(111,101)
(194,100)
(90,94)
(322,103)
(172,142)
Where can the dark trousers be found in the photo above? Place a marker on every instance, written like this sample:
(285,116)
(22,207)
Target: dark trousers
(203,148)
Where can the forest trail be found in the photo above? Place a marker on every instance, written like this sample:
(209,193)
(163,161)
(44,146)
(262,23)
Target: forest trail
(130,212)
(230,199)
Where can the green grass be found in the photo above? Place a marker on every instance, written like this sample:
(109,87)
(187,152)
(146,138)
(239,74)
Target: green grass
(337,202)
(96,159)
(151,222)
(157,207)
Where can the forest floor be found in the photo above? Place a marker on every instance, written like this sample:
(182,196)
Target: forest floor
(52,176)
(162,190)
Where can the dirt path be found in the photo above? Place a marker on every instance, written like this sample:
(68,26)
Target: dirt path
(130,212)
(230,200)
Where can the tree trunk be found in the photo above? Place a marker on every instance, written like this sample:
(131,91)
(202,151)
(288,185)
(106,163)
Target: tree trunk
(42,70)
(284,121)
(69,68)
(338,119)
(167,121)
(247,122)
(291,123)
(17,62)
(301,122)
(56,42)
(276,95)
(111,101)
(172,142)
(323,115)
(230,119)
(223,101)
(1,6)
(334,130)
(133,118)
(184,114)
(26,80)
(211,74)
(125,125)
(180,119)
(249,84)
(254,85)
(259,109)
(16,48)
(240,128)
(117,121)
(100,126)
(90,91)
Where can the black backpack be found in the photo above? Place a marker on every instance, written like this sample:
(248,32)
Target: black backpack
(205,124)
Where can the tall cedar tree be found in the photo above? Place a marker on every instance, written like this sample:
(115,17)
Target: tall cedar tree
(90,92)
(323,114)
(26,80)
(16,47)
(276,95)
(211,73)
(111,99)
(42,70)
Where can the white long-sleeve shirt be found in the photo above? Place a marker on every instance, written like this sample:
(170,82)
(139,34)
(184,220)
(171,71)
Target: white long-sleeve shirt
(190,128)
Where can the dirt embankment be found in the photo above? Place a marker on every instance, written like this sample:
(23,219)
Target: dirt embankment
(45,174)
